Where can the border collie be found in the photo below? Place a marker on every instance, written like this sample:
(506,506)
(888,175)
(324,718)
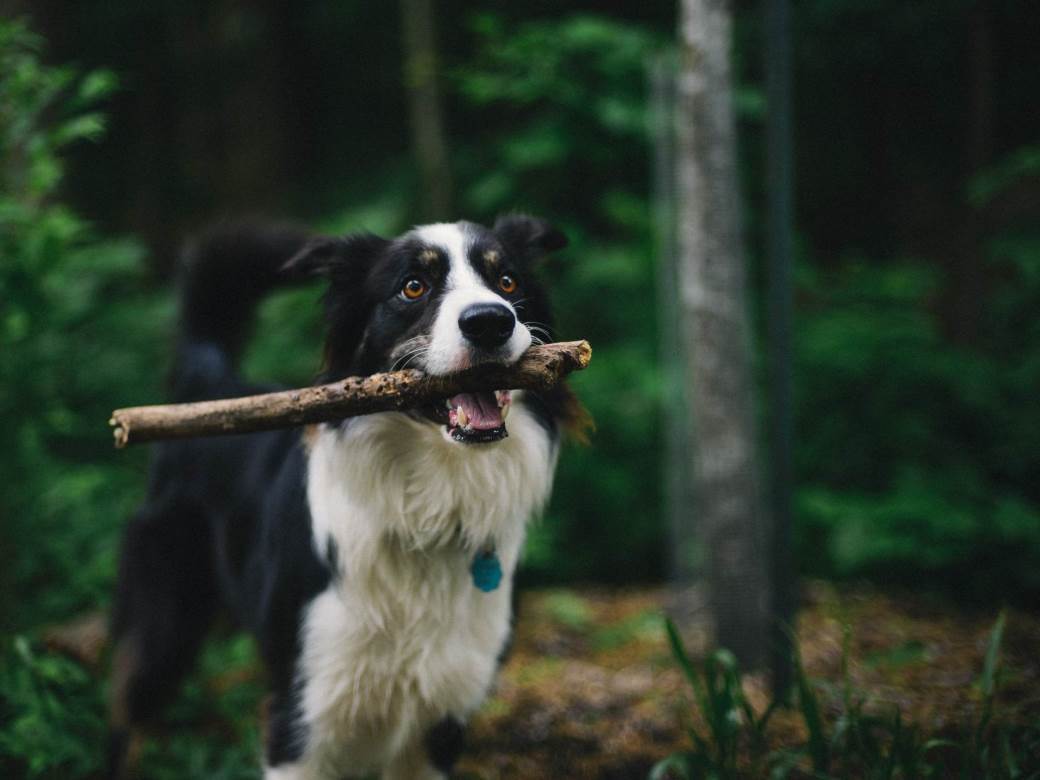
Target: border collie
(372,559)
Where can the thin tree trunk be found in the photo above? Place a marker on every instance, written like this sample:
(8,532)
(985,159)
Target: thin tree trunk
(716,334)
(780,226)
(967,282)
(428,139)
(682,570)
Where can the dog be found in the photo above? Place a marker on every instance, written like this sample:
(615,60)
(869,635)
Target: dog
(372,559)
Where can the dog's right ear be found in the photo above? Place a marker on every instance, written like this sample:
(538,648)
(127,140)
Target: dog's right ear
(530,237)
(337,259)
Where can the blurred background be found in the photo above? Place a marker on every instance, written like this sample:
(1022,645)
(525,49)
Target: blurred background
(916,342)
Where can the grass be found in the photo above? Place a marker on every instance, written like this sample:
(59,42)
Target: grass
(858,741)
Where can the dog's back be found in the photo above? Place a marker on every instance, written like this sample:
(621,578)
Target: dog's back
(192,546)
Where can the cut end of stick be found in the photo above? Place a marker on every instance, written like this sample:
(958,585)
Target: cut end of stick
(584,353)
(120,432)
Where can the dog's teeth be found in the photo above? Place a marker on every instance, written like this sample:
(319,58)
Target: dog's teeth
(460,415)
(505,412)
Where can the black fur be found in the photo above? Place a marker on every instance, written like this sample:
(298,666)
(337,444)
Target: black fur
(444,743)
(226,523)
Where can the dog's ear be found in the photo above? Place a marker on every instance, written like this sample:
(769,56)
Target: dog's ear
(344,262)
(339,259)
(530,237)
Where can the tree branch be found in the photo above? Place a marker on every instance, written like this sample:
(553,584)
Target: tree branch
(540,368)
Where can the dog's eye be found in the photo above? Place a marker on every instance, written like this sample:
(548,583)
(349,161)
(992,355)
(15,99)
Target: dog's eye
(507,283)
(414,289)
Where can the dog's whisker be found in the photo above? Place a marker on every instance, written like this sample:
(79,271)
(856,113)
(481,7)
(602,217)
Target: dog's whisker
(408,350)
(544,336)
(540,325)
(406,359)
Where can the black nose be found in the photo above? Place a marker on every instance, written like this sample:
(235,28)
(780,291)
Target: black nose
(487,325)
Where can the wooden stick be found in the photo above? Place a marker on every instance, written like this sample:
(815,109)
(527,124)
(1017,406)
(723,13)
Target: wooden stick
(540,368)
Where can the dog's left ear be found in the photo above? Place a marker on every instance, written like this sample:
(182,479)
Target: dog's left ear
(530,237)
(339,259)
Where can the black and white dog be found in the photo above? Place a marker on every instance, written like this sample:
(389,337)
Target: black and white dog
(373,559)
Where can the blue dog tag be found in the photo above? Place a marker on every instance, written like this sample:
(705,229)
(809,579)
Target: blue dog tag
(486,571)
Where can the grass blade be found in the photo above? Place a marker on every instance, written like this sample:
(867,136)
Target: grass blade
(679,653)
(681,657)
(674,767)
(989,667)
(988,680)
(810,709)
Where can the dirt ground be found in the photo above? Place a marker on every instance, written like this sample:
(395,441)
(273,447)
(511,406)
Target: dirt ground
(590,690)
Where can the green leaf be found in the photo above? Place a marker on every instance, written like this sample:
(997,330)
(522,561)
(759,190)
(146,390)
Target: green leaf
(810,710)
(674,767)
(988,680)
(679,653)
(990,665)
(88,127)
(96,85)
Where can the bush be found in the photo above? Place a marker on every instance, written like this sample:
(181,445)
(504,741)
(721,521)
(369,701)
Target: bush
(81,334)
(51,714)
(916,456)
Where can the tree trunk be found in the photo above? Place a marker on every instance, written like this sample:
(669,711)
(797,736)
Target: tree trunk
(967,279)
(716,335)
(428,142)
(779,230)
(678,493)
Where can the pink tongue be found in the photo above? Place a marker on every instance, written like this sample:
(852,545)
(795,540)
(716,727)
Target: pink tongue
(480,408)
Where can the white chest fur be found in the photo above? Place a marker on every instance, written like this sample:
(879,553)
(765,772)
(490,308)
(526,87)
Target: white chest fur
(403,637)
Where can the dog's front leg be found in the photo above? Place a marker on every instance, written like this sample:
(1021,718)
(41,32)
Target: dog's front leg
(290,772)
(285,754)
(429,756)
(412,763)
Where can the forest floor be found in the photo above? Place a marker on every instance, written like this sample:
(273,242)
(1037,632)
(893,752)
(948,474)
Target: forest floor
(591,691)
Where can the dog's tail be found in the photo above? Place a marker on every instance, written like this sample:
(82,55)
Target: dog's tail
(224,275)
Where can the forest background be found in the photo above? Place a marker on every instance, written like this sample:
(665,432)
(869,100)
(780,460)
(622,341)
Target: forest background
(916,340)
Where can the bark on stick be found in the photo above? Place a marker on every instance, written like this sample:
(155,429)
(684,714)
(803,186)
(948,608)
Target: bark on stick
(540,368)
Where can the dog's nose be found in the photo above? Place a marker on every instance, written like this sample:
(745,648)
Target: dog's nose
(487,325)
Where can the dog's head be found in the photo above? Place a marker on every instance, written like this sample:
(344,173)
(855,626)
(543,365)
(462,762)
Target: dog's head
(440,298)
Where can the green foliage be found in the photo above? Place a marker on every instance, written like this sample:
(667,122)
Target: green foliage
(558,95)
(51,714)
(731,721)
(557,99)
(80,335)
(918,456)
(64,297)
(215,721)
(1022,164)
(854,743)
(913,453)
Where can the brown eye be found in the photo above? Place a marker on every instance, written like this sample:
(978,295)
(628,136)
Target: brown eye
(507,283)
(414,289)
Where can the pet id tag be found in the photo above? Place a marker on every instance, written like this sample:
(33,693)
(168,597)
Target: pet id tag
(486,570)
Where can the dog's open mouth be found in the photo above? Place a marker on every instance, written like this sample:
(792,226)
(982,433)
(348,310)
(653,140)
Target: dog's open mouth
(474,418)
